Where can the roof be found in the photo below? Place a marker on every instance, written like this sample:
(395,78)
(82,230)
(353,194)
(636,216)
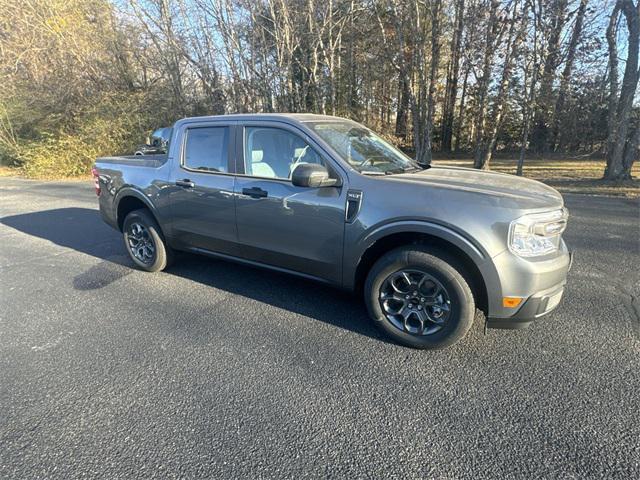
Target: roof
(300,117)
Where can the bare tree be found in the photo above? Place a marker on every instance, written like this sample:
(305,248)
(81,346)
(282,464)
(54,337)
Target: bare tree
(157,17)
(426,154)
(530,71)
(517,29)
(566,74)
(618,164)
(402,67)
(545,103)
(492,37)
(453,72)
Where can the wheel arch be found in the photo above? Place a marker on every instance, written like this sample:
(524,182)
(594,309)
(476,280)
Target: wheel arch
(129,200)
(472,259)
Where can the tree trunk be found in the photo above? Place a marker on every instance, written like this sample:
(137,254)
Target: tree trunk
(545,105)
(497,113)
(566,74)
(530,98)
(452,79)
(403,107)
(619,121)
(483,84)
(463,97)
(435,61)
(612,42)
(632,150)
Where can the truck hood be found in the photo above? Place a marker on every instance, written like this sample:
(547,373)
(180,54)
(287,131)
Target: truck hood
(526,193)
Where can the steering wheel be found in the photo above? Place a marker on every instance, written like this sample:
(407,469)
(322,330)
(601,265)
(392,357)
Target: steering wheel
(369,160)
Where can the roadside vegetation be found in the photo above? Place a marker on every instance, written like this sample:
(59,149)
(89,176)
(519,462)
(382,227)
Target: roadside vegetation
(541,82)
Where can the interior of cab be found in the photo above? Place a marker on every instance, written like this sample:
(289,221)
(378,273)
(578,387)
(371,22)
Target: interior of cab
(274,153)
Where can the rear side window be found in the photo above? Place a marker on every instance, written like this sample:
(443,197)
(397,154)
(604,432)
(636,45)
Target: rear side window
(206,149)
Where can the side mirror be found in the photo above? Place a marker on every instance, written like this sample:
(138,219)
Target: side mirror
(312,175)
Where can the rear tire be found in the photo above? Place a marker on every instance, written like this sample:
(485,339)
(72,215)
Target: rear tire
(144,241)
(419,298)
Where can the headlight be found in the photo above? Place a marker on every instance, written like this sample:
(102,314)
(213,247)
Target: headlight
(537,234)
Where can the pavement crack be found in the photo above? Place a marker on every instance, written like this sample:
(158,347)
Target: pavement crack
(630,301)
(634,310)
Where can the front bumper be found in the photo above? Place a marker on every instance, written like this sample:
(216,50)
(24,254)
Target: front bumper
(536,306)
(545,298)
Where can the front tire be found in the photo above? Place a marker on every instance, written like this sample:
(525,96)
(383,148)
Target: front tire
(419,298)
(144,241)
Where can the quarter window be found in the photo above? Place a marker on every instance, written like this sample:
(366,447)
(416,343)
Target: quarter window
(206,149)
(274,153)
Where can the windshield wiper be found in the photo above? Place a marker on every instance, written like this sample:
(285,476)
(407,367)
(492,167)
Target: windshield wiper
(394,171)
(409,169)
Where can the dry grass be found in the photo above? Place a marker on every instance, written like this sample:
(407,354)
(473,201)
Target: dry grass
(9,171)
(19,172)
(568,176)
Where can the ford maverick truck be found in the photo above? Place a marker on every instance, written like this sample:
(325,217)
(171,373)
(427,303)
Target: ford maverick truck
(327,199)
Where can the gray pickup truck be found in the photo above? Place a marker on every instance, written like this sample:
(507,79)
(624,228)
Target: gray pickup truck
(327,199)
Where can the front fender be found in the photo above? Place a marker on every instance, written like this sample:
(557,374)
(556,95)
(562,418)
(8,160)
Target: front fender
(355,250)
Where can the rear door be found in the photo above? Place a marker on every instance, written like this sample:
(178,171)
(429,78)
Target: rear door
(202,184)
(295,228)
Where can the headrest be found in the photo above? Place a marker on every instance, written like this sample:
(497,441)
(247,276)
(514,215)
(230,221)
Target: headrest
(256,156)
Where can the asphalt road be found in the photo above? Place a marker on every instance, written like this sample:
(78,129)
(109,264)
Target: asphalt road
(216,370)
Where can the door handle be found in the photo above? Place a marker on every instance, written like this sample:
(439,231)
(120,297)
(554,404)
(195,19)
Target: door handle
(186,183)
(254,192)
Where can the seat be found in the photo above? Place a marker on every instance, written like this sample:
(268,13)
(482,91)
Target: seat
(260,168)
(275,153)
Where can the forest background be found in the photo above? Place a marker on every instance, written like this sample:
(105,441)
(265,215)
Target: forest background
(548,88)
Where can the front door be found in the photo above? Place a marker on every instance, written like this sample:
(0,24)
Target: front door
(295,228)
(201,197)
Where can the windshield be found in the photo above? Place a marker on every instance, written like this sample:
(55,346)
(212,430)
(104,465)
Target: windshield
(362,149)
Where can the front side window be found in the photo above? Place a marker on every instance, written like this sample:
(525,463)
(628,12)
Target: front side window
(274,153)
(361,148)
(206,149)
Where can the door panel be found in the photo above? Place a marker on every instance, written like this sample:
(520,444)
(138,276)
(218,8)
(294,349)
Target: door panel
(296,228)
(204,215)
(201,190)
(279,224)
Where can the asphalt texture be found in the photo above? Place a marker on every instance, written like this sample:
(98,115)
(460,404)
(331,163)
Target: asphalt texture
(215,370)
